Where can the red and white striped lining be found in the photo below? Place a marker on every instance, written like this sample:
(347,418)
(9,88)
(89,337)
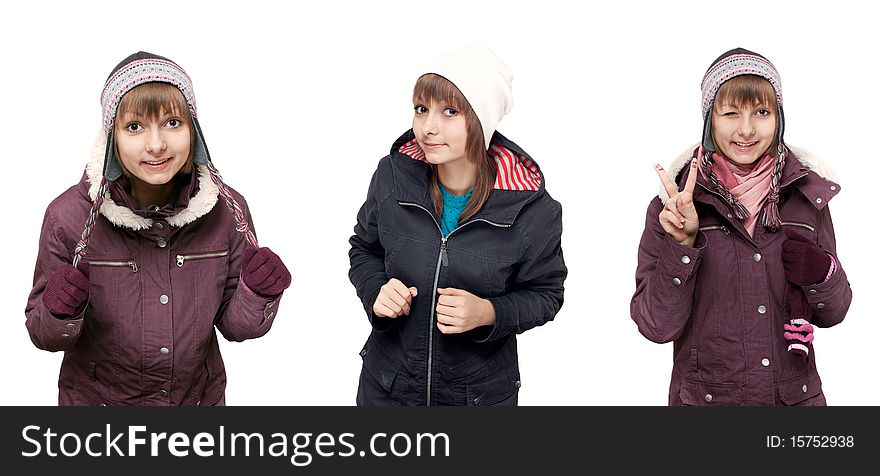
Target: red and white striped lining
(514,172)
(413,150)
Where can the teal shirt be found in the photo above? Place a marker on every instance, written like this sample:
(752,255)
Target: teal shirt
(453,205)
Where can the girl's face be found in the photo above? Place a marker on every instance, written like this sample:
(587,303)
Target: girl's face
(441,132)
(743,133)
(153,150)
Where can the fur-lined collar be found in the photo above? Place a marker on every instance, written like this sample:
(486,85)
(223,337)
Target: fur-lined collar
(806,158)
(120,215)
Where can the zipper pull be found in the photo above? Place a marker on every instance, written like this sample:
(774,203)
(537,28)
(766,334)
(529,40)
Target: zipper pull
(180,259)
(133,266)
(443,257)
(726,231)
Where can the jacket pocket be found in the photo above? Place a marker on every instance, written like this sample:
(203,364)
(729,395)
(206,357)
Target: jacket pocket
(797,225)
(721,228)
(183,259)
(495,383)
(114,295)
(99,263)
(697,393)
(385,370)
(214,387)
(86,395)
(500,388)
(795,391)
(197,391)
(85,391)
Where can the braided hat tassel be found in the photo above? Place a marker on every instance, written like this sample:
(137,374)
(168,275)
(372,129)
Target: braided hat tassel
(80,250)
(770,218)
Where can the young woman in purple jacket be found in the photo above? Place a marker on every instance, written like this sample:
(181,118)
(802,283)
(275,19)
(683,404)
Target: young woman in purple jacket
(140,261)
(737,264)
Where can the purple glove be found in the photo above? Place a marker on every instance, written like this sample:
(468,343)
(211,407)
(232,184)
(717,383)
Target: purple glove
(799,331)
(263,272)
(67,290)
(805,263)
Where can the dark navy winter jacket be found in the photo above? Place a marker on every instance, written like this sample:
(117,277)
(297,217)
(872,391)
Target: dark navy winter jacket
(509,253)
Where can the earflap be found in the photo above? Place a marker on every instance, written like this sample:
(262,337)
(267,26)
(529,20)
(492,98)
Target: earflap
(708,143)
(200,148)
(112,167)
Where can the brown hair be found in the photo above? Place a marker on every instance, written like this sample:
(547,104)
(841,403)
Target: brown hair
(152,100)
(748,90)
(435,88)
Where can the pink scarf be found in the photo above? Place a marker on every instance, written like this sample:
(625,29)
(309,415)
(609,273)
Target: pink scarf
(749,184)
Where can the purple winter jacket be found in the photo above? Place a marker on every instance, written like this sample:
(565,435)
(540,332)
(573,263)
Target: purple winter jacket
(723,302)
(158,288)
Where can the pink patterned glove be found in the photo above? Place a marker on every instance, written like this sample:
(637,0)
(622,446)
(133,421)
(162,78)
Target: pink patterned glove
(798,331)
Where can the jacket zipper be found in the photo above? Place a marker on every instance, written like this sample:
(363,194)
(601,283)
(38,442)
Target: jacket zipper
(442,261)
(716,227)
(802,225)
(182,258)
(130,263)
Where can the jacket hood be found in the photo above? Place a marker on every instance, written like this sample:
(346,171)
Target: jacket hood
(518,178)
(122,216)
(809,172)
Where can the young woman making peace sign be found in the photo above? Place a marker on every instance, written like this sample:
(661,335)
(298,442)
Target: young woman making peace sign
(739,265)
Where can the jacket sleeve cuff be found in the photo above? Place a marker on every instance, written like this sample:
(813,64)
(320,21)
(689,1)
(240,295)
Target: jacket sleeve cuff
(679,261)
(379,324)
(820,295)
(60,332)
(67,327)
(503,321)
(250,315)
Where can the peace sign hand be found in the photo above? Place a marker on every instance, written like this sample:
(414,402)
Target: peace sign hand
(679,216)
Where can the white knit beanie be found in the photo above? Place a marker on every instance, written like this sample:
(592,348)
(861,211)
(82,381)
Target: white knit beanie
(483,80)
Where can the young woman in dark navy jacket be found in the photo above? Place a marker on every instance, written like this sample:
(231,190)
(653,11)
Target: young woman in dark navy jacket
(457,247)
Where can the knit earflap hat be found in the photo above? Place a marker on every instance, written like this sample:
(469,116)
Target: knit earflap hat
(137,69)
(737,62)
(484,81)
(733,63)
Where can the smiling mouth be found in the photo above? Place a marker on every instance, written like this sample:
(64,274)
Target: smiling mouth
(157,162)
(745,147)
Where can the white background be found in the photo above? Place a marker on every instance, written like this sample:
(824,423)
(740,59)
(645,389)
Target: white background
(298,102)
